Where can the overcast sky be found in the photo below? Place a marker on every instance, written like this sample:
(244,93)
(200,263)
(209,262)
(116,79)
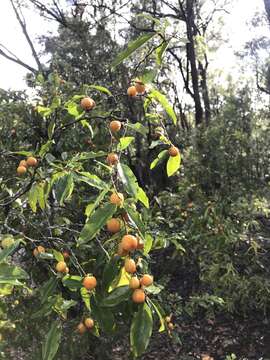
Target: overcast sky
(12,75)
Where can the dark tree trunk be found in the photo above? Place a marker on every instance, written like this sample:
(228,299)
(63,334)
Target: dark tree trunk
(191,54)
(267,9)
(205,92)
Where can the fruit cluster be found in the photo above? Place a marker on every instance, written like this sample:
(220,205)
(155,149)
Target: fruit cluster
(25,164)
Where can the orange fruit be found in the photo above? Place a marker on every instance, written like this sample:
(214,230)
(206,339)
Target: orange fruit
(23,163)
(113,225)
(146,280)
(67,270)
(41,249)
(173,151)
(117,199)
(140,245)
(89,282)
(140,87)
(35,252)
(168,319)
(112,159)
(31,161)
(61,266)
(87,103)
(89,323)
(121,252)
(115,126)
(21,170)
(81,328)
(134,283)
(138,296)
(129,242)
(171,326)
(130,266)
(132,91)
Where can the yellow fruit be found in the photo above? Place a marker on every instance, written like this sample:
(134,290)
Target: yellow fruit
(129,242)
(7,242)
(87,103)
(89,282)
(81,328)
(89,323)
(140,87)
(112,159)
(131,91)
(117,199)
(140,245)
(168,319)
(138,296)
(41,249)
(130,266)
(31,161)
(21,170)
(171,326)
(23,163)
(35,252)
(115,126)
(113,225)
(67,270)
(134,283)
(173,151)
(61,266)
(146,280)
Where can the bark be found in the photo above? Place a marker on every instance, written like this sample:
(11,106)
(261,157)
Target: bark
(205,92)
(267,9)
(191,54)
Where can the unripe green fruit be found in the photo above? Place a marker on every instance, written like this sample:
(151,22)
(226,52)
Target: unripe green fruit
(7,242)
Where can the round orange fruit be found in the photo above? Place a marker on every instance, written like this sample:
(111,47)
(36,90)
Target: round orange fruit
(130,266)
(87,103)
(117,199)
(146,280)
(61,266)
(113,225)
(134,283)
(112,159)
(129,242)
(132,91)
(81,328)
(138,296)
(31,161)
(89,282)
(89,323)
(115,126)
(140,87)
(21,170)
(173,151)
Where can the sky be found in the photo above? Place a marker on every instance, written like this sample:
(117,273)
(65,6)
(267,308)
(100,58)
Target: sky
(12,75)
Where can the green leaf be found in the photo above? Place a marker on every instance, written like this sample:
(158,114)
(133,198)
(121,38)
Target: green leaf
(173,164)
(125,142)
(44,111)
(85,297)
(52,341)
(100,88)
(141,330)
(86,124)
(33,197)
(92,206)
(116,296)
(45,148)
(104,316)
(160,313)
(10,274)
(51,128)
(73,109)
(142,197)
(95,222)
(161,156)
(48,289)
(155,94)
(58,255)
(73,282)
(9,250)
(161,51)
(148,244)
(64,187)
(138,127)
(135,218)
(41,195)
(133,46)
(88,155)
(110,272)
(92,180)
(128,179)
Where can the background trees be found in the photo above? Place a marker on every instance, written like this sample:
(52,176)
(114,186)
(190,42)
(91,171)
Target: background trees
(206,224)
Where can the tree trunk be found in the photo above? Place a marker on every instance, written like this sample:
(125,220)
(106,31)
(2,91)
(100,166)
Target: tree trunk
(190,26)
(267,9)
(205,92)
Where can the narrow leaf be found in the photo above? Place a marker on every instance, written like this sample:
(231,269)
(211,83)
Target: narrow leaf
(165,104)
(173,164)
(52,342)
(161,156)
